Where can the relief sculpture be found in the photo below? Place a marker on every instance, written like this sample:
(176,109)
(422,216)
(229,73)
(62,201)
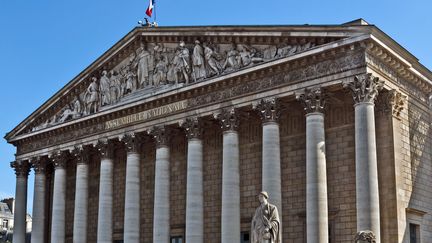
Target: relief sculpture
(163,66)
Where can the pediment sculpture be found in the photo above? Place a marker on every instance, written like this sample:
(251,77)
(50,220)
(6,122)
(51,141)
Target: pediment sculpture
(161,66)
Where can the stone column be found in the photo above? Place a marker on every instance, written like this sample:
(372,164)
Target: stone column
(82,155)
(161,220)
(194,184)
(230,231)
(269,111)
(59,160)
(132,189)
(38,217)
(364,89)
(316,176)
(22,169)
(105,215)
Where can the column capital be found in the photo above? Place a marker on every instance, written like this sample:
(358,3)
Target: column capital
(105,147)
(192,127)
(228,119)
(365,236)
(132,141)
(81,153)
(268,109)
(391,102)
(160,135)
(364,88)
(312,100)
(39,164)
(21,167)
(59,159)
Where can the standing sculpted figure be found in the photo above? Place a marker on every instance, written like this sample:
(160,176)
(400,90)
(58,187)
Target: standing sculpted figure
(143,67)
(91,97)
(212,65)
(265,222)
(159,73)
(105,88)
(232,61)
(115,87)
(182,63)
(199,71)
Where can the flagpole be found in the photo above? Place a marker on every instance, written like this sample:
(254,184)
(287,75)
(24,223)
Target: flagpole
(155,13)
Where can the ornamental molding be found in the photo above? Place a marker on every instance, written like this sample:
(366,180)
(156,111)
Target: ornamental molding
(364,88)
(312,100)
(299,72)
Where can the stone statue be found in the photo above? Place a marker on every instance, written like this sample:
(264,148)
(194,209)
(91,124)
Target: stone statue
(213,66)
(160,72)
(265,222)
(91,97)
(182,63)
(144,66)
(232,60)
(115,87)
(247,55)
(104,85)
(199,71)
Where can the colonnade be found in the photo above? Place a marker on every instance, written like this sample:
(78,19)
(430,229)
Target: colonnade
(316,180)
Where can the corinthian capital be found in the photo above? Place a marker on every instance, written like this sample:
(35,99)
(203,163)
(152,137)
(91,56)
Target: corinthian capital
(268,109)
(365,236)
(312,100)
(105,147)
(364,88)
(391,102)
(39,164)
(192,127)
(228,119)
(160,135)
(82,154)
(132,141)
(22,168)
(59,159)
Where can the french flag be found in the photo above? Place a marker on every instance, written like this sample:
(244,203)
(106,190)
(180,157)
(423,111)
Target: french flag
(149,10)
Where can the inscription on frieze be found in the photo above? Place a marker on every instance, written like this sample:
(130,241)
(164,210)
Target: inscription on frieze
(146,115)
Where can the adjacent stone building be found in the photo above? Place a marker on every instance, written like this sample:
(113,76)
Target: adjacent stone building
(170,135)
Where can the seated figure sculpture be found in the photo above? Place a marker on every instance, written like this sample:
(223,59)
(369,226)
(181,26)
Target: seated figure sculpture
(265,223)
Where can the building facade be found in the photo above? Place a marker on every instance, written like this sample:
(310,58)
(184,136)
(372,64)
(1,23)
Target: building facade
(171,134)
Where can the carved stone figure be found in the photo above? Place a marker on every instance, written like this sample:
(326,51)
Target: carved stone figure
(265,223)
(91,97)
(144,65)
(160,72)
(115,87)
(214,68)
(247,56)
(182,63)
(104,85)
(71,111)
(366,236)
(232,60)
(199,71)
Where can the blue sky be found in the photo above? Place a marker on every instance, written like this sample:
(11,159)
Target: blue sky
(45,43)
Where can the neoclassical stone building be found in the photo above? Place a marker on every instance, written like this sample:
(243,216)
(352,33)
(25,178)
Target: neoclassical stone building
(170,135)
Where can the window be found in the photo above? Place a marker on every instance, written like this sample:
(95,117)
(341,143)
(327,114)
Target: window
(414,230)
(5,224)
(244,238)
(177,239)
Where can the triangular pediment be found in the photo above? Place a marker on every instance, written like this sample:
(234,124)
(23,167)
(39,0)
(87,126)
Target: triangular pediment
(153,60)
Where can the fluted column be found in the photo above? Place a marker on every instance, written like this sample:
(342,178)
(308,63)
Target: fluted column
(161,220)
(22,169)
(132,189)
(105,212)
(194,183)
(82,155)
(269,111)
(230,231)
(38,216)
(59,160)
(316,176)
(364,89)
